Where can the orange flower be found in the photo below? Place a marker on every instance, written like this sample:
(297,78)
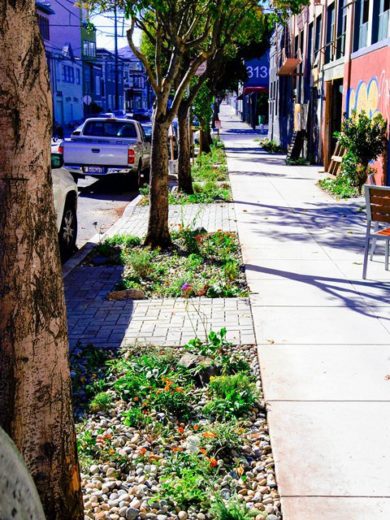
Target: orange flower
(209,435)
(176,449)
(142,451)
(180,430)
(135,398)
(213,462)
(203,451)
(196,427)
(179,389)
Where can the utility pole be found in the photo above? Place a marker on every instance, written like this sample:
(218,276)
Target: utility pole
(116,58)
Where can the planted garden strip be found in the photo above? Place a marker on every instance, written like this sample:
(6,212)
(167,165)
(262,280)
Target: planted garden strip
(174,434)
(198,264)
(210,181)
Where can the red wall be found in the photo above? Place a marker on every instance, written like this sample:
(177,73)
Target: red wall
(367,87)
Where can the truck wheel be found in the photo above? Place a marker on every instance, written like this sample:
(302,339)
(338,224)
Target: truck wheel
(140,177)
(68,231)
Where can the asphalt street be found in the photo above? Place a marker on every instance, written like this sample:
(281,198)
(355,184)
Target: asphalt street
(101,203)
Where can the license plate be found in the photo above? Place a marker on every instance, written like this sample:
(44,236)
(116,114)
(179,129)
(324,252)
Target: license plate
(94,169)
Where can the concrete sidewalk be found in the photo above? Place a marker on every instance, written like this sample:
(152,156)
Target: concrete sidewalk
(323,334)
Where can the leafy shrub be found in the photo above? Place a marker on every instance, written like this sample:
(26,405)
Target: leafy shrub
(232,510)
(221,438)
(364,138)
(141,262)
(135,418)
(101,402)
(231,270)
(270,146)
(186,480)
(232,396)
(341,186)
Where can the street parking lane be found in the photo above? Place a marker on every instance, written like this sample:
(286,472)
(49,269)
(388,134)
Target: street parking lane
(101,203)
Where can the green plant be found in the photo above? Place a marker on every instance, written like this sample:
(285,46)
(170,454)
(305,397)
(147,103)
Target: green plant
(232,396)
(221,438)
(216,342)
(341,186)
(270,146)
(231,270)
(100,402)
(141,262)
(231,510)
(135,418)
(186,480)
(300,161)
(364,138)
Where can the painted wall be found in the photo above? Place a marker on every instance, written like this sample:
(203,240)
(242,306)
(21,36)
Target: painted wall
(369,90)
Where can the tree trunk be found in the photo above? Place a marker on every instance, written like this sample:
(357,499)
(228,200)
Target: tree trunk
(158,229)
(206,139)
(185,178)
(35,386)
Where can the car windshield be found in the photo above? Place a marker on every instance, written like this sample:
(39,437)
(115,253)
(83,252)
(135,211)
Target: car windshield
(147,129)
(110,129)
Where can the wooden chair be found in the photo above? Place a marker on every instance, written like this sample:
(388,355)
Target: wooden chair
(378,212)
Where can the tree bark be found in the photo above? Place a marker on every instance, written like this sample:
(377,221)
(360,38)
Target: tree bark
(184,177)
(158,229)
(35,386)
(205,138)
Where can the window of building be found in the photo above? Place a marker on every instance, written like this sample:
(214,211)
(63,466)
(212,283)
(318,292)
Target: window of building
(317,42)
(361,24)
(341,29)
(78,76)
(97,85)
(67,74)
(44,27)
(89,48)
(329,50)
(380,22)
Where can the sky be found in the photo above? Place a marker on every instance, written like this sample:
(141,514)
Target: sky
(105,31)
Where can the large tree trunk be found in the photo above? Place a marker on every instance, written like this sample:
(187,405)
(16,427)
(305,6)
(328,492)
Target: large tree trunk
(35,387)
(205,138)
(158,229)
(184,177)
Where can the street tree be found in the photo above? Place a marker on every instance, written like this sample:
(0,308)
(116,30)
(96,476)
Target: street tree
(35,385)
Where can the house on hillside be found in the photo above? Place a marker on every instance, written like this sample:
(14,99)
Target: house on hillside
(331,59)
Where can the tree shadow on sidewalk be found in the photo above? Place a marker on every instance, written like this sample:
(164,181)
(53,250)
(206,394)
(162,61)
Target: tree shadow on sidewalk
(352,294)
(92,318)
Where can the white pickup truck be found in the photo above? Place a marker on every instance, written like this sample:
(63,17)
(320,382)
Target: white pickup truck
(108,146)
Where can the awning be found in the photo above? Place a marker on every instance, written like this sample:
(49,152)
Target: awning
(252,90)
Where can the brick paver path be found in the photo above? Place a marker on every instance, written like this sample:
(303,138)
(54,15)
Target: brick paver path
(166,322)
(209,216)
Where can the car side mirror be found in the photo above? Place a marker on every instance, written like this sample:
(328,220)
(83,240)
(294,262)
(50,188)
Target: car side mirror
(57,160)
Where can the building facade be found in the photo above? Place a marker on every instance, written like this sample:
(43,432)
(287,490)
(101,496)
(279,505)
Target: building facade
(112,84)
(138,92)
(332,58)
(60,29)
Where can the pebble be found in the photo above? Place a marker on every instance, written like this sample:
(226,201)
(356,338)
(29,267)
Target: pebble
(131,513)
(115,491)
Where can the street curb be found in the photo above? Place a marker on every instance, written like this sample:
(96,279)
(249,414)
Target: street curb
(84,251)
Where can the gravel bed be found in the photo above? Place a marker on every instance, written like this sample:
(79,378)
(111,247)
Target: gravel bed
(128,484)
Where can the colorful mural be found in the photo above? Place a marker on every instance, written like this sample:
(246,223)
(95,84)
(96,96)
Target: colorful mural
(364,98)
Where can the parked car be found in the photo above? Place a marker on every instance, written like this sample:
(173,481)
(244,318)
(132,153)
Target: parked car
(65,203)
(56,145)
(172,132)
(108,146)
